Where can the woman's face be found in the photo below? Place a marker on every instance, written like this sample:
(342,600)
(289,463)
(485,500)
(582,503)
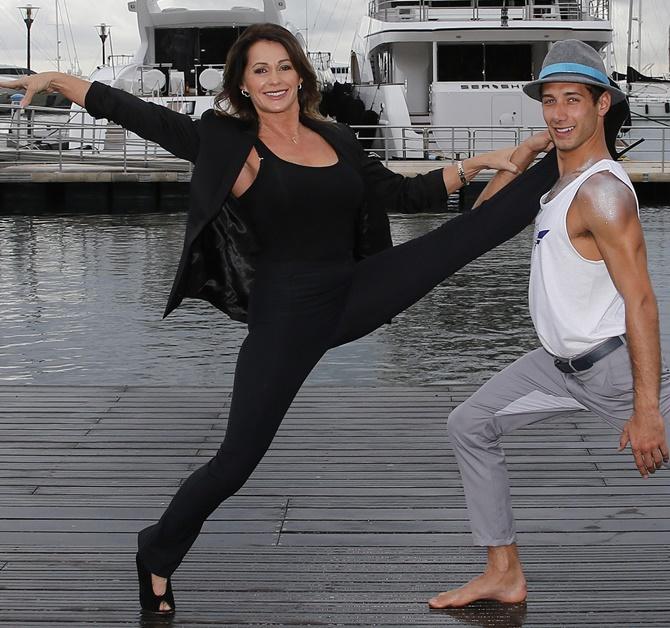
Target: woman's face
(270,78)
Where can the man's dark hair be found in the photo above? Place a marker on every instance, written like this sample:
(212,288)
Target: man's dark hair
(596,92)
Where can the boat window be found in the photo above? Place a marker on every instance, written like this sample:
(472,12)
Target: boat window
(15,71)
(191,50)
(501,3)
(219,5)
(484,62)
(471,3)
(381,65)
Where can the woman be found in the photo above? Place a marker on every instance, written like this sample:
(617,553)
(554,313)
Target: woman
(287,229)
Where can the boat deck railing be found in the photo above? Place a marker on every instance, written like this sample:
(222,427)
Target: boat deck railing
(487,10)
(451,143)
(63,141)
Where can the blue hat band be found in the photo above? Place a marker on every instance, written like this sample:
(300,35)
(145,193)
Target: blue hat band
(574,68)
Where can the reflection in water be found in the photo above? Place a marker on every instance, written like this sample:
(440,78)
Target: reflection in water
(83,296)
(489,614)
(149,621)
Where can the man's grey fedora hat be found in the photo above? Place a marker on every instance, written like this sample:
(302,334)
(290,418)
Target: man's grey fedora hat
(573,61)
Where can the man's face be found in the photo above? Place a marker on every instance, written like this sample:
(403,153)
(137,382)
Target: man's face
(571,115)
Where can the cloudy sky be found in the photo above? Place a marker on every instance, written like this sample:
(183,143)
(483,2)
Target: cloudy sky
(331,24)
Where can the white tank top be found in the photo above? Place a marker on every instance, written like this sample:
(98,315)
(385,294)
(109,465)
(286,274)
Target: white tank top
(573,302)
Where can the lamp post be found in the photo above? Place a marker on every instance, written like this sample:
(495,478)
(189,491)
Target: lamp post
(28,13)
(103,33)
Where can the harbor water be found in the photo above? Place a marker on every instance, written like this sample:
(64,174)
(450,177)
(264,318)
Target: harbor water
(83,296)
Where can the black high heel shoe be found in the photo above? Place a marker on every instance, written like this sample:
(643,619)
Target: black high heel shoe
(149,601)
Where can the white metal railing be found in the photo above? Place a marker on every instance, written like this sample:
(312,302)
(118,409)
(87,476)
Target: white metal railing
(600,9)
(71,144)
(451,143)
(39,135)
(487,10)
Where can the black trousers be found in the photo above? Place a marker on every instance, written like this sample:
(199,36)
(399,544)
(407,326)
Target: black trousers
(299,310)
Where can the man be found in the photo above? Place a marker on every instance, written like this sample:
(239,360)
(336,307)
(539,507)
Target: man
(594,311)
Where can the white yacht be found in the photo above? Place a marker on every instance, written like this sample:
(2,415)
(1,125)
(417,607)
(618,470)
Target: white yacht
(183,48)
(179,64)
(453,70)
(182,55)
(180,60)
(650,117)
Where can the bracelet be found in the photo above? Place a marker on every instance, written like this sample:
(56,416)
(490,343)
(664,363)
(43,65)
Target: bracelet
(461,173)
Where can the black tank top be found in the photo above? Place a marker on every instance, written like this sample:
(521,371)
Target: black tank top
(303,212)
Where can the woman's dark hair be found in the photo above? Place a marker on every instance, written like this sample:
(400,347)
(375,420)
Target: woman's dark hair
(236,62)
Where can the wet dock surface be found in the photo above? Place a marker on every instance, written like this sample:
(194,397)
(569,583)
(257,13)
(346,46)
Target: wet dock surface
(354,518)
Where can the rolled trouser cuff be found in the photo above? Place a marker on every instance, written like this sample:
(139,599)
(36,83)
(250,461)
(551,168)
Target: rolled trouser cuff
(484,541)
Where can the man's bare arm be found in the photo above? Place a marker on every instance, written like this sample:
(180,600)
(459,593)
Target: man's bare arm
(609,212)
(524,155)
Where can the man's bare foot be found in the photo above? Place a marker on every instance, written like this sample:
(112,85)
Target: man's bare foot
(159,585)
(503,581)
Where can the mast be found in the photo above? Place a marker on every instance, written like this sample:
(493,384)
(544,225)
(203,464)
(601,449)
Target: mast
(58,42)
(630,32)
(639,35)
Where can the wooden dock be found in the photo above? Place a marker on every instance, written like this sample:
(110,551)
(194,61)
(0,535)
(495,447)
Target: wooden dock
(108,187)
(170,170)
(354,518)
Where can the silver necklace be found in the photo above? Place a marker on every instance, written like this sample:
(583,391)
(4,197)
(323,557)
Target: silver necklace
(293,138)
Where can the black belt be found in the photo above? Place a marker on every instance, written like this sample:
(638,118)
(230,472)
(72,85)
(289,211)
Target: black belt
(584,362)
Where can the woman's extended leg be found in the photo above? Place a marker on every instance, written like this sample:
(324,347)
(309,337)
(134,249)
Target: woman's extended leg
(389,282)
(271,367)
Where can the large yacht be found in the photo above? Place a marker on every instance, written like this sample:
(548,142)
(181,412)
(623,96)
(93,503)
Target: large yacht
(183,49)
(181,58)
(453,70)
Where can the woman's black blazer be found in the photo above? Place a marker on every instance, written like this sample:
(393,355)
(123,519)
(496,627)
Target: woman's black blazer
(217,260)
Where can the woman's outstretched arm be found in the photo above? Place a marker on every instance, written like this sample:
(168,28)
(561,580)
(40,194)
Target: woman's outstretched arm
(393,192)
(175,132)
(499,160)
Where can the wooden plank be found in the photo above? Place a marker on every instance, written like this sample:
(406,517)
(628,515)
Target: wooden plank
(355,517)
(414,513)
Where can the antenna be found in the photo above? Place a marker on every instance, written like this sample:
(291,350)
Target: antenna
(630,29)
(639,35)
(58,42)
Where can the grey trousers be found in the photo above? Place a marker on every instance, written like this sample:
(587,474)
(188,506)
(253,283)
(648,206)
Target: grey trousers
(531,389)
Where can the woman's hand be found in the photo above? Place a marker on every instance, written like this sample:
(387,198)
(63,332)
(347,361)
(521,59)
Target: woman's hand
(32,84)
(509,162)
(496,160)
(71,87)
(538,143)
